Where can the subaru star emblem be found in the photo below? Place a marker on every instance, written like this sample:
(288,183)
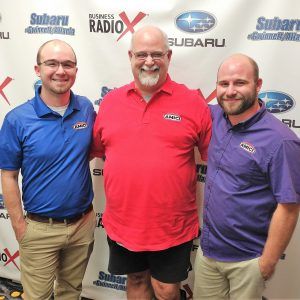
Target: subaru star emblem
(195,21)
(277,102)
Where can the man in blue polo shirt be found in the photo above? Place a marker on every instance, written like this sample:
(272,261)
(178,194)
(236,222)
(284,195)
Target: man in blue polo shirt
(48,139)
(252,190)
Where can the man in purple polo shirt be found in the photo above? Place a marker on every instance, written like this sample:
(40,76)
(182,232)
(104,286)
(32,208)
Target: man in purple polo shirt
(252,190)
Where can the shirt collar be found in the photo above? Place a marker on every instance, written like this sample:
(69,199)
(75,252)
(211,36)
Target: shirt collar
(42,109)
(167,87)
(252,120)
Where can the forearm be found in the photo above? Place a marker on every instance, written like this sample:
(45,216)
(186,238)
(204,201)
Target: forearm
(281,228)
(12,198)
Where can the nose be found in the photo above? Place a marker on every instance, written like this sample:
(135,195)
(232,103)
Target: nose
(230,90)
(60,69)
(149,60)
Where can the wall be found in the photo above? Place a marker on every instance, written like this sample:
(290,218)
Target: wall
(100,32)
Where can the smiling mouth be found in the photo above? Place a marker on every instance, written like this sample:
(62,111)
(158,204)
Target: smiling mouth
(60,80)
(150,70)
(231,99)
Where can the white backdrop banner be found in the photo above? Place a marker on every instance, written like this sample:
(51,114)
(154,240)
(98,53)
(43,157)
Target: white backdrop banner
(201,34)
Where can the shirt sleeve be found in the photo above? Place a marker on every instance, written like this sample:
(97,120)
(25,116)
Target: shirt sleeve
(284,172)
(11,153)
(204,131)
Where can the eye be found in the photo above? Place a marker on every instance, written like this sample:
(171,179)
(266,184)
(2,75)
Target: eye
(223,84)
(157,55)
(240,83)
(68,65)
(141,55)
(51,63)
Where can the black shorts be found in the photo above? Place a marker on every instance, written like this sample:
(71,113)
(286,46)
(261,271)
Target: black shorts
(169,266)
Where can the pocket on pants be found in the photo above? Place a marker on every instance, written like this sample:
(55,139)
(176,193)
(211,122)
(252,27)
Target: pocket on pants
(258,268)
(26,233)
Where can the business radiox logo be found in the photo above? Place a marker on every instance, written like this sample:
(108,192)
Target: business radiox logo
(49,24)
(109,23)
(276,29)
(7,258)
(196,22)
(4,83)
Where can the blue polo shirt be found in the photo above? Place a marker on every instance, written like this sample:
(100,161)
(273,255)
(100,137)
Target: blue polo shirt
(53,154)
(252,166)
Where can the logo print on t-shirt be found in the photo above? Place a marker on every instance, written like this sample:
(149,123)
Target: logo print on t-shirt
(172,117)
(248,147)
(80,125)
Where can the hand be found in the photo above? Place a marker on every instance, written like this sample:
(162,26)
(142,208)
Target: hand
(20,231)
(266,268)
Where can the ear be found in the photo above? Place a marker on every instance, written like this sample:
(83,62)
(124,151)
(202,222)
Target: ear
(259,85)
(130,54)
(37,70)
(169,54)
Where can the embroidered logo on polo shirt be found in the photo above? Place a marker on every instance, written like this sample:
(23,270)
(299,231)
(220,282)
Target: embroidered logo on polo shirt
(172,117)
(80,125)
(248,147)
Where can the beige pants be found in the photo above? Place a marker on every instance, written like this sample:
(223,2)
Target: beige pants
(56,252)
(216,280)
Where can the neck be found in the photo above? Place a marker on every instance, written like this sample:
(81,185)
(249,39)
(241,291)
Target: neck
(147,91)
(235,119)
(53,99)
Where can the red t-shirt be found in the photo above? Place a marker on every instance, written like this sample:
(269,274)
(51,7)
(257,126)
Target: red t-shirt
(149,171)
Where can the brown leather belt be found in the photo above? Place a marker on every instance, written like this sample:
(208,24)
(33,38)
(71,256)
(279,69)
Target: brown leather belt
(68,220)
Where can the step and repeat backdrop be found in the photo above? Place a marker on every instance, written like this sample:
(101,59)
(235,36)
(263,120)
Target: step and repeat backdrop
(201,34)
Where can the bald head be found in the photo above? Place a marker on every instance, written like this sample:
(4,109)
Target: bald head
(241,59)
(149,33)
(238,86)
(55,42)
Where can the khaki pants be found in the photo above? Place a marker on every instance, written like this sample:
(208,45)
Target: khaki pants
(56,252)
(216,280)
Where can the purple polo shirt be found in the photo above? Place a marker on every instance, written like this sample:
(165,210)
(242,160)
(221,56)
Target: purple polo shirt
(252,166)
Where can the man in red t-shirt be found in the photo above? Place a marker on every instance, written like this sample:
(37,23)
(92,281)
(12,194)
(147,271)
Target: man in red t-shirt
(147,131)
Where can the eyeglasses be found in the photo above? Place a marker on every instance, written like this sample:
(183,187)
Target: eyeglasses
(54,64)
(154,55)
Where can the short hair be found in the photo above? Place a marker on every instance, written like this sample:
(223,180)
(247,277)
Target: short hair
(38,56)
(255,68)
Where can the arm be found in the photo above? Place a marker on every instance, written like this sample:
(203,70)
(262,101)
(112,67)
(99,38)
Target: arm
(281,228)
(12,200)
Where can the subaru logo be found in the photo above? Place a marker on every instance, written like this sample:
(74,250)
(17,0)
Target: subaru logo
(37,84)
(277,102)
(1,202)
(195,21)
(105,90)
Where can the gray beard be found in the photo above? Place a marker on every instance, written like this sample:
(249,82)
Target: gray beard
(147,80)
